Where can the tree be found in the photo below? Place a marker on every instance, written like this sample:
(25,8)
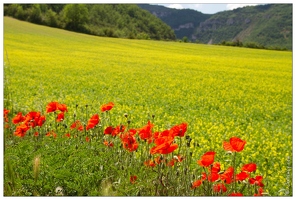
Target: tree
(75,16)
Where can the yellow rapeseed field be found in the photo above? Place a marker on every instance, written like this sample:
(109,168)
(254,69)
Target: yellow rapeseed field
(219,91)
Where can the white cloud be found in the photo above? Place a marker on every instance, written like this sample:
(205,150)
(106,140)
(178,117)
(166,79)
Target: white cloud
(177,6)
(234,6)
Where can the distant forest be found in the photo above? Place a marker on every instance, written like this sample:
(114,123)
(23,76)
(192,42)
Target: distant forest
(111,20)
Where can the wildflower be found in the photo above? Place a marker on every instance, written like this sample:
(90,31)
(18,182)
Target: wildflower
(215,168)
(164,145)
(67,135)
(171,163)
(118,129)
(6,115)
(60,117)
(21,130)
(133,179)
(242,176)
(236,194)
(108,144)
(107,107)
(36,134)
(207,159)
(179,158)
(77,125)
(196,184)
(149,163)
(227,176)
(234,145)
(220,187)
(62,107)
(18,118)
(48,134)
(257,181)
(260,191)
(249,167)
(34,119)
(129,142)
(87,139)
(145,132)
(108,130)
(93,121)
(179,130)
(52,107)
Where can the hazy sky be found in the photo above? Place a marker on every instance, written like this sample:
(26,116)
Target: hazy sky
(210,8)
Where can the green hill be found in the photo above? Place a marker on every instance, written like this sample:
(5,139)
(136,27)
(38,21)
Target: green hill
(183,22)
(267,25)
(112,20)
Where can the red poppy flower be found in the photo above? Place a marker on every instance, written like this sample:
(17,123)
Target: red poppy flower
(6,115)
(242,176)
(60,117)
(179,158)
(129,142)
(236,194)
(207,159)
(67,135)
(133,179)
(93,121)
(34,119)
(220,187)
(196,184)
(179,130)
(18,118)
(52,107)
(171,162)
(21,130)
(145,132)
(87,139)
(118,129)
(249,167)
(77,125)
(257,181)
(36,134)
(107,107)
(53,134)
(62,107)
(149,163)
(164,145)
(108,130)
(235,145)
(227,176)
(108,144)
(212,177)
(260,191)
(215,168)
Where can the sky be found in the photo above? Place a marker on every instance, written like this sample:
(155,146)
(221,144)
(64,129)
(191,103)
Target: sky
(209,8)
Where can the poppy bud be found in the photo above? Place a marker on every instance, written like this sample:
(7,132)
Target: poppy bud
(153,115)
(128,121)
(76,105)
(74,115)
(86,105)
(125,114)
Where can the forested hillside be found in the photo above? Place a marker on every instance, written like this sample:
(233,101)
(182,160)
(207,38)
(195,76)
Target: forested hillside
(112,20)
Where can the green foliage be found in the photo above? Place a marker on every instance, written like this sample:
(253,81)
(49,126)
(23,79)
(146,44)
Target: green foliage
(75,15)
(111,20)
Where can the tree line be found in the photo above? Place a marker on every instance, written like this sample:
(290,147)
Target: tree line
(111,20)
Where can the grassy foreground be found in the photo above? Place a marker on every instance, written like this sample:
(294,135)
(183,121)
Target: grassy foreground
(219,91)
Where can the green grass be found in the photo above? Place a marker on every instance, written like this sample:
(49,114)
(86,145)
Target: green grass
(219,91)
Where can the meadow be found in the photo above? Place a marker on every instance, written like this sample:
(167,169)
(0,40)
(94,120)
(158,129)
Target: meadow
(219,91)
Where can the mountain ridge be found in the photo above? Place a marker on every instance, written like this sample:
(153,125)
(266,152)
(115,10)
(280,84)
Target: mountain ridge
(268,25)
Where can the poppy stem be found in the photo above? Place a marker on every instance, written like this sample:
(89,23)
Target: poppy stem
(234,172)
